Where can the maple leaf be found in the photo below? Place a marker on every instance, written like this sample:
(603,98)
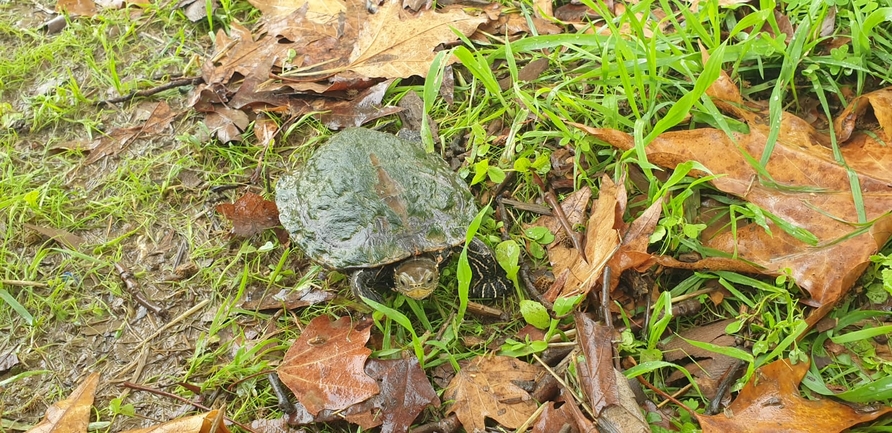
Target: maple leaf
(484,388)
(324,368)
(73,413)
(250,214)
(770,401)
(799,162)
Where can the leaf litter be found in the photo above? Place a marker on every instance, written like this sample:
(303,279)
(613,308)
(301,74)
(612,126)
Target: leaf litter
(308,77)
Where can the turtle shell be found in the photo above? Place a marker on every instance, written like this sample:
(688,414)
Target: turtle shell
(367,199)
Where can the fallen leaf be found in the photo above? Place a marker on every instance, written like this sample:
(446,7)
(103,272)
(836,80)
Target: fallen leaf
(63,237)
(71,415)
(358,111)
(116,141)
(596,376)
(324,368)
(799,162)
(86,8)
(601,242)
(201,423)
(484,389)
(250,215)
(405,392)
(707,367)
(770,401)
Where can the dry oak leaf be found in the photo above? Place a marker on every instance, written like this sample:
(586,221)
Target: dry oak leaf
(601,242)
(72,414)
(210,422)
(324,368)
(770,402)
(484,389)
(394,43)
(319,11)
(799,162)
(250,215)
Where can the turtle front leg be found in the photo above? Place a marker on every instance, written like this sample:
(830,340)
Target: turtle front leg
(489,279)
(365,283)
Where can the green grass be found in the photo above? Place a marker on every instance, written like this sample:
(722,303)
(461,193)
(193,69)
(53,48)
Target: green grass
(142,207)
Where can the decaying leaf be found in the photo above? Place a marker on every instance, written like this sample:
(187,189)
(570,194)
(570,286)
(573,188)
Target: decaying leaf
(73,413)
(707,367)
(405,392)
(118,140)
(484,389)
(324,368)
(770,401)
(811,191)
(250,215)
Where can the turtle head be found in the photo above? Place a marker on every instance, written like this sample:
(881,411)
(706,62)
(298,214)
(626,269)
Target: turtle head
(416,277)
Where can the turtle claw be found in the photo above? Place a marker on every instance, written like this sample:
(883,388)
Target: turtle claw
(363,282)
(489,280)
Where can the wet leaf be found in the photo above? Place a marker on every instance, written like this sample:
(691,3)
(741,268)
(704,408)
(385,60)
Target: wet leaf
(770,401)
(707,367)
(596,374)
(117,140)
(484,389)
(250,215)
(324,368)
(405,392)
(72,414)
(822,204)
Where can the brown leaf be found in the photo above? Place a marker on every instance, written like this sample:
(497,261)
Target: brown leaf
(596,373)
(394,44)
(826,208)
(405,392)
(201,423)
(72,414)
(770,401)
(484,388)
(364,108)
(86,8)
(324,368)
(116,141)
(250,215)
(632,253)
(63,237)
(707,367)
(602,240)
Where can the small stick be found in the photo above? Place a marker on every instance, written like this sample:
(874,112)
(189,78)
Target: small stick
(135,291)
(149,92)
(551,198)
(23,283)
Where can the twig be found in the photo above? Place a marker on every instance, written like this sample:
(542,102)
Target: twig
(156,391)
(135,291)
(558,211)
(149,92)
(173,322)
(23,283)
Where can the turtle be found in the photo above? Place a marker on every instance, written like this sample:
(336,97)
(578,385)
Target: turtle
(381,209)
